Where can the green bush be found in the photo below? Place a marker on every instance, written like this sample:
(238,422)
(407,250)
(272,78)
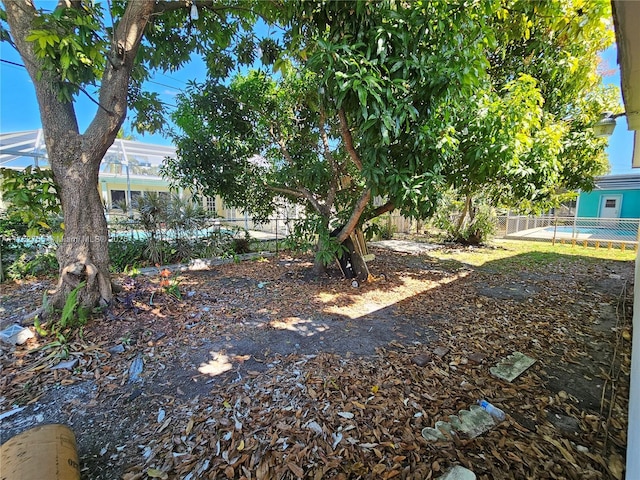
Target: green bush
(241,245)
(32,195)
(31,265)
(126,254)
(12,226)
(477,227)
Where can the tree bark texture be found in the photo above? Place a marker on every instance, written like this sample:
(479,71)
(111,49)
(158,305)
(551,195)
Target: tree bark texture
(83,254)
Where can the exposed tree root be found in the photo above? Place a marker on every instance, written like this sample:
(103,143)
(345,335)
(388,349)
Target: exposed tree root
(97,290)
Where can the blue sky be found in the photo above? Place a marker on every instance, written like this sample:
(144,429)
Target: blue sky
(19,108)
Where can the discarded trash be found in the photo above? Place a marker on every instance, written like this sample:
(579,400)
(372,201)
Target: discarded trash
(117,348)
(16,334)
(11,412)
(261,284)
(441,351)
(445,429)
(352,260)
(136,369)
(472,422)
(433,434)
(492,410)
(512,367)
(47,451)
(68,365)
(458,473)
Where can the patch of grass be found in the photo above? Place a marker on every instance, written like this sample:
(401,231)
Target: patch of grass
(530,254)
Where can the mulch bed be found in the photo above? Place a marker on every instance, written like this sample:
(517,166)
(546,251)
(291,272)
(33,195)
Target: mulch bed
(260,371)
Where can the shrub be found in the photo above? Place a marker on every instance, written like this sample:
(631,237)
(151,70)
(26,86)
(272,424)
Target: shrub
(30,265)
(476,228)
(380,228)
(12,226)
(126,254)
(241,245)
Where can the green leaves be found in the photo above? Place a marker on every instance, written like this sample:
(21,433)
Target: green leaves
(32,195)
(434,95)
(70,46)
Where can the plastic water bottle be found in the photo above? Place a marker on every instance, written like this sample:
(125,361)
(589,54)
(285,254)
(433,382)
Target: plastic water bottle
(492,410)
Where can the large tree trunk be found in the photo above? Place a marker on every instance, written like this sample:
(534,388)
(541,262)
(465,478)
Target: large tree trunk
(463,215)
(74,158)
(319,268)
(340,236)
(83,255)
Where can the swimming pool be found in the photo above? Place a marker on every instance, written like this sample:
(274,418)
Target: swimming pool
(596,233)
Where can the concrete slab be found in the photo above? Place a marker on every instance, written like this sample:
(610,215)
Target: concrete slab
(458,473)
(512,367)
(469,423)
(404,246)
(473,422)
(16,334)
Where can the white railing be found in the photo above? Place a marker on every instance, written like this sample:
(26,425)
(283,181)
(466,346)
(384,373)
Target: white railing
(575,230)
(570,229)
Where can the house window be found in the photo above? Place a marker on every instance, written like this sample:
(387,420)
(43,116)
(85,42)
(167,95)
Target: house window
(210,204)
(120,196)
(117,197)
(135,195)
(610,203)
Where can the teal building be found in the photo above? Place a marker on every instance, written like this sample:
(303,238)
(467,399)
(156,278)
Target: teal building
(615,196)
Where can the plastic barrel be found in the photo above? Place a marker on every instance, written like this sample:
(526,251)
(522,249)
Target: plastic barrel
(47,452)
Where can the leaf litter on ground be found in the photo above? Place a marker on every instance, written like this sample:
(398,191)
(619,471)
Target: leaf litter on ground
(299,385)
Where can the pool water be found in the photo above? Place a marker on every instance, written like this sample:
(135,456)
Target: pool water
(600,232)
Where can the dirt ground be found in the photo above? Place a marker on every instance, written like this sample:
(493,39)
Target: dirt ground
(260,371)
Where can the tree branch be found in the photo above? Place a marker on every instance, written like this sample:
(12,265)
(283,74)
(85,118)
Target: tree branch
(286,191)
(172,6)
(355,216)
(127,36)
(302,193)
(348,139)
(333,186)
(281,144)
(382,209)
